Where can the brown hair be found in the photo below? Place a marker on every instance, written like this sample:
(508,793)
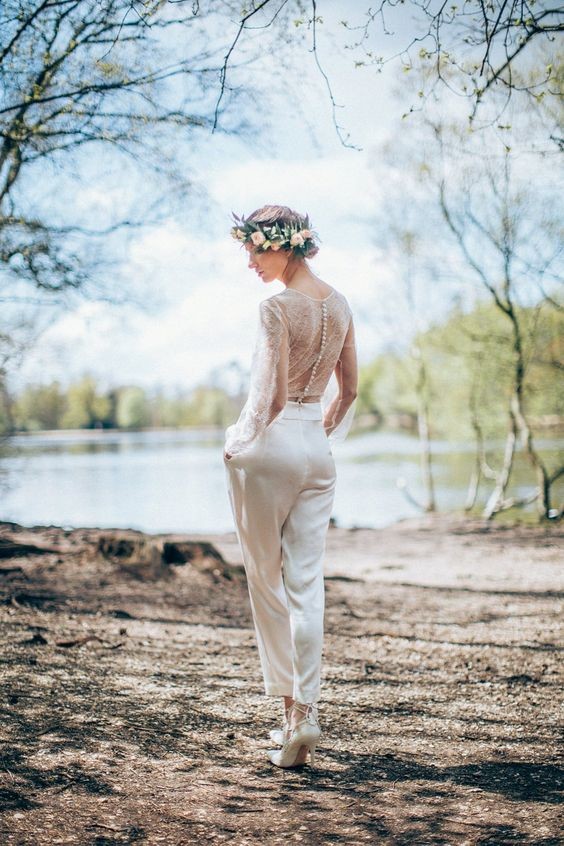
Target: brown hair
(284,216)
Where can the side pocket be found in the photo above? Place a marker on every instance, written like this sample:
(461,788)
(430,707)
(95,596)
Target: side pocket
(231,460)
(327,441)
(238,459)
(326,436)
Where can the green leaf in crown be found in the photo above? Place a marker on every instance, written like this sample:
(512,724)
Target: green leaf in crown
(274,236)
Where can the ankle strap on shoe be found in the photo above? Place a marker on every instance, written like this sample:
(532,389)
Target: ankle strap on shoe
(308,709)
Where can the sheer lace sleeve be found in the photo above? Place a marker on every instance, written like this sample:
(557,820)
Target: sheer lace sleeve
(268,391)
(345,374)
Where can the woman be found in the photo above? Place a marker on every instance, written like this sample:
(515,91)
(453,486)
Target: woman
(280,468)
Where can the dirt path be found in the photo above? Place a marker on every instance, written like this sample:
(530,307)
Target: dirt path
(133,707)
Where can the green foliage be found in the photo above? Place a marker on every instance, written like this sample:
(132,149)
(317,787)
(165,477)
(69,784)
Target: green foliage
(83,406)
(207,407)
(132,409)
(86,408)
(39,407)
(470,360)
(386,386)
(545,380)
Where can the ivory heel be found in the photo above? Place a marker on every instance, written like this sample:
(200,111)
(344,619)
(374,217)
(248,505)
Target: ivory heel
(303,738)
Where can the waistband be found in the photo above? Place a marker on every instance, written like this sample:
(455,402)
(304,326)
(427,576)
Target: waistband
(294,410)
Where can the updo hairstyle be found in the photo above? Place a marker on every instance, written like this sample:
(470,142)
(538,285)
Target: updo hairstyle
(283,216)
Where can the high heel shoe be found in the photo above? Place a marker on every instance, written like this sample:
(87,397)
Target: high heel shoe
(301,739)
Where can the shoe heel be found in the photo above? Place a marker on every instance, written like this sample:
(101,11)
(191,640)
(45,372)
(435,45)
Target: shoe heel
(312,753)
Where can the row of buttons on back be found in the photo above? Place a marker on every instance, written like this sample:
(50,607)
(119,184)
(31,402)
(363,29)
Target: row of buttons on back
(323,342)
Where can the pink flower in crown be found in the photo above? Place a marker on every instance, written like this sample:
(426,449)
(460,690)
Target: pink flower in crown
(305,233)
(275,245)
(296,240)
(257,238)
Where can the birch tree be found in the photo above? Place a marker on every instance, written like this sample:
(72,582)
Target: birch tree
(507,231)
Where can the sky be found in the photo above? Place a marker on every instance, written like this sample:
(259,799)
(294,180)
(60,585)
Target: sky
(203,298)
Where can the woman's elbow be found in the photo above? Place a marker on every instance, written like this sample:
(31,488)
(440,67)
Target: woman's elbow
(349,394)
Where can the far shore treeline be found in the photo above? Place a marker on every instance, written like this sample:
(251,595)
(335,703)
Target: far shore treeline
(469,364)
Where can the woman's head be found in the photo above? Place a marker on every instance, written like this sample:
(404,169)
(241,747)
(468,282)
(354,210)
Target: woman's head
(276,238)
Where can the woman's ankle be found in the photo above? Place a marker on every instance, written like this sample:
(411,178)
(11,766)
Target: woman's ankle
(297,713)
(288,702)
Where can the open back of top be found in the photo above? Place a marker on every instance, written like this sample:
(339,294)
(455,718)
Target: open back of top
(301,338)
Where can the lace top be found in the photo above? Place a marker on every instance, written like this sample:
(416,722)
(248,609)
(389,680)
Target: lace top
(299,340)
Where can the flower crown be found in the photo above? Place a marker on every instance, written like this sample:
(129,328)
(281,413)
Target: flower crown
(298,238)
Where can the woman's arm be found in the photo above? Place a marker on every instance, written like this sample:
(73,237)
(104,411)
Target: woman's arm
(268,391)
(346,372)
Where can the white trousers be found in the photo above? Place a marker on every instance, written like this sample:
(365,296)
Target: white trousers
(281,491)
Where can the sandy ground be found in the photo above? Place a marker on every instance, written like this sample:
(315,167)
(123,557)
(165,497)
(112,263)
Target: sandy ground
(133,706)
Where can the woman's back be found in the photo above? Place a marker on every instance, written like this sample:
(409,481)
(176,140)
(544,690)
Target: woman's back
(300,342)
(317,332)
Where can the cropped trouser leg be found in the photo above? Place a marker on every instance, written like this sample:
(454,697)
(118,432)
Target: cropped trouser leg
(281,492)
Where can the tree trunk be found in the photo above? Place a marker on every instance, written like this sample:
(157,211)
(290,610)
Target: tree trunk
(424,438)
(495,502)
(543,481)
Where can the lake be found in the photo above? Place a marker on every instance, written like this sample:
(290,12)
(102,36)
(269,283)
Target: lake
(174,480)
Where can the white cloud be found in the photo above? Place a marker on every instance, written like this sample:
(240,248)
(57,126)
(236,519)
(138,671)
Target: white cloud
(331,189)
